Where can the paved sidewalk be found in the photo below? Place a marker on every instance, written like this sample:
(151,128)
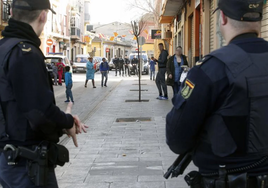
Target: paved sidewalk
(121,154)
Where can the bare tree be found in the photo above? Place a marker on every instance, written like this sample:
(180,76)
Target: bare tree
(147,6)
(137,28)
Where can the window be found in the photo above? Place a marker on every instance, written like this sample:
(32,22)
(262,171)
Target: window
(6,11)
(65,20)
(89,27)
(73,22)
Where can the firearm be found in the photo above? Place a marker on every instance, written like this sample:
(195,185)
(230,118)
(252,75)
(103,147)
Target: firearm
(179,165)
(37,164)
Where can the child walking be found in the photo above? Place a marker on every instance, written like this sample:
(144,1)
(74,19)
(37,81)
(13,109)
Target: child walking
(152,68)
(69,84)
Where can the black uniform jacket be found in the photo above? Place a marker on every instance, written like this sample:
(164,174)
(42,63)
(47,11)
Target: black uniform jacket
(33,106)
(202,92)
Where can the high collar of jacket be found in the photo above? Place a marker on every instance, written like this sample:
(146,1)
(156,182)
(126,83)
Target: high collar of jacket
(17,29)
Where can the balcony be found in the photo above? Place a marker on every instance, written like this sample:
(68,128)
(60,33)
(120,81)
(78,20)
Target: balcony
(75,33)
(169,10)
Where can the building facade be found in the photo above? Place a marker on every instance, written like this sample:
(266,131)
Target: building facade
(148,47)
(78,45)
(56,35)
(4,14)
(194,27)
(116,39)
(65,29)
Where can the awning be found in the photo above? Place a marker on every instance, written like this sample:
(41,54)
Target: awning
(169,10)
(166,19)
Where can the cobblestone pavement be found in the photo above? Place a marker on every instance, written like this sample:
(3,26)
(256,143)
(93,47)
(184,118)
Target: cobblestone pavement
(118,154)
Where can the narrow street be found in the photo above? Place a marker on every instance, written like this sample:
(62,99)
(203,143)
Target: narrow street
(118,154)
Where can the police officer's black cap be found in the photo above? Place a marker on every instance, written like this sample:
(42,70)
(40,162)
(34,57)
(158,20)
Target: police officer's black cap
(34,5)
(239,9)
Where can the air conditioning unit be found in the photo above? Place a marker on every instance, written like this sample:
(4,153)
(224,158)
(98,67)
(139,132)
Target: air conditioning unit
(165,34)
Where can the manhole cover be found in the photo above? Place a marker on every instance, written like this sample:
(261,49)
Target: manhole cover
(136,100)
(133,119)
(138,90)
(141,84)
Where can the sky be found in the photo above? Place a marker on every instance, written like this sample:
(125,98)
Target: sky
(107,11)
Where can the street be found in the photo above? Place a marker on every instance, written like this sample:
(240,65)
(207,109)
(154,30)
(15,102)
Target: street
(118,153)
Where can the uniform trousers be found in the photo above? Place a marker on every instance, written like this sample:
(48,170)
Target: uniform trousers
(127,70)
(116,68)
(17,176)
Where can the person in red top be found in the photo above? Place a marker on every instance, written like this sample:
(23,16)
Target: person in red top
(60,66)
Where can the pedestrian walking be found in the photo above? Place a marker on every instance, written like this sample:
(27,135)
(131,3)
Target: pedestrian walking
(121,65)
(152,69)
(175,68)
(104,69)
(134,63)
(60,67)
(69,84)
(220,115)
(116,64)
(55,73)
(31,124)
(126,66)
(160,77)
(90,72)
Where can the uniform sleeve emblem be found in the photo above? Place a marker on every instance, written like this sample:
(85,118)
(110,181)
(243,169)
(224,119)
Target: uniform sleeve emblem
(187,89)
(25,47)
(26,50)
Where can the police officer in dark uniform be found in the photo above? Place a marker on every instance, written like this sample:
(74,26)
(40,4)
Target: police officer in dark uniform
(116,64)
(135,64)
(121,65)
(30,122)
(220,115)
(126,66)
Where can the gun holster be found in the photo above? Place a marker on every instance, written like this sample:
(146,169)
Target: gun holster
(39,159)
(194,179)
(38,168)
(59,154)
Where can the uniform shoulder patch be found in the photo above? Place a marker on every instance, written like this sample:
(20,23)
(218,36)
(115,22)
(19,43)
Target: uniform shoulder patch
(25,48)
(200,62)
(187,89)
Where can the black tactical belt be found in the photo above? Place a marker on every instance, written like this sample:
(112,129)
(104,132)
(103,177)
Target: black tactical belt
(241,169)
